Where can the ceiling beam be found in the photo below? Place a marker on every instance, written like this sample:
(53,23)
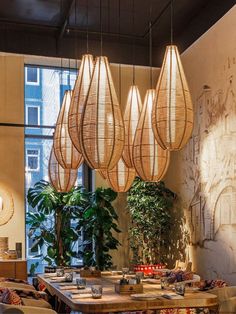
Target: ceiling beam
(48,28)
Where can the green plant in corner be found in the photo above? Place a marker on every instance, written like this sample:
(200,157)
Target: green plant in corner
(149,204)
(33,268)
(51,223)
(99,222)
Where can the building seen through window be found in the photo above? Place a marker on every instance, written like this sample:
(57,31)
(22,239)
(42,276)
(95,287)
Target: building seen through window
(44,90)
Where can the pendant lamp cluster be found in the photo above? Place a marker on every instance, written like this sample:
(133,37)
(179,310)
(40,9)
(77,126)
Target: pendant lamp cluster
(91,128)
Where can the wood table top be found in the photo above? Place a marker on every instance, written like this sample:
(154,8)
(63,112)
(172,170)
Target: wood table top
(113,302)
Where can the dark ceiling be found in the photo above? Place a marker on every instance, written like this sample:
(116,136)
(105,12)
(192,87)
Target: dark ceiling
(59,27)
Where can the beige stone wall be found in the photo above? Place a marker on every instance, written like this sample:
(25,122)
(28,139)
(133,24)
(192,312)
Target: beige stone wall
(203,174)
(12,147)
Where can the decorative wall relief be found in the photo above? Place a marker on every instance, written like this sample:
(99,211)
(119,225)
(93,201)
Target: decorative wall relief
(208,180)
(6,205)
(211,164)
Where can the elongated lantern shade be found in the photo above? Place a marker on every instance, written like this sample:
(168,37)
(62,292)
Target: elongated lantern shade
(102,126)
(78,98)
(65,152)
(61,179)
(150,160)
(103,173)
(172,116)
(120,178)
(131,117)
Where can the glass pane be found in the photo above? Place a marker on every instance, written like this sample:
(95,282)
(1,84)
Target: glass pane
(33,163)
(32,75)
(32,152)
(47,96)
(33,115)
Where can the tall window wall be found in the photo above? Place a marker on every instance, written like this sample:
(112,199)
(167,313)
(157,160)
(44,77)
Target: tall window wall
(44,90)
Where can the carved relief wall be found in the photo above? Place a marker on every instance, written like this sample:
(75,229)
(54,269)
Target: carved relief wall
(206,176)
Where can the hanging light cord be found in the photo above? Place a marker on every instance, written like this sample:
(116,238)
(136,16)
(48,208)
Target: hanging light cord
(150,43)
(69,75)
(76,38)
(120,44)
(101,25)
(69,56)
(133,45)
(61,55)
(87,22)
(171,22)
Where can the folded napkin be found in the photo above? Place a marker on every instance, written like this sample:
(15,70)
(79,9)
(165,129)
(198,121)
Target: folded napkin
(82,291)
(57,279)
(67,287)
(81,296)
(49,275)
(173,296)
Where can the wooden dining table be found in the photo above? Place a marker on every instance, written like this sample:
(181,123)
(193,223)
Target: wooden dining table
(113,302)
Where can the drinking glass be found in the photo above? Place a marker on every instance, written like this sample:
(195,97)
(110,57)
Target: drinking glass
(164,283)
(139,276)
(60,272)
(81,283)
(180,288)
(69,276)
(96,291)
(125,271)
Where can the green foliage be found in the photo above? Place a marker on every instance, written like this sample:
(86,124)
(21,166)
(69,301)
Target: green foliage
(98,222)
(33,268)
(51,224)
(149,205)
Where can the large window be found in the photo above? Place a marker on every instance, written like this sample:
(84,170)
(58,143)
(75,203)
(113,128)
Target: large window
(44,90)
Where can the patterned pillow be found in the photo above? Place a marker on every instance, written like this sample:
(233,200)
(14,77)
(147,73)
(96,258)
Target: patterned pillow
(179,275)
(9,297)
(4,279)
(218,283)
(187,275)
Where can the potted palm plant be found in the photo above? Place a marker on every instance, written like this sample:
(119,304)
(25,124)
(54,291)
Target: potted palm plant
(59,218)
(51,223)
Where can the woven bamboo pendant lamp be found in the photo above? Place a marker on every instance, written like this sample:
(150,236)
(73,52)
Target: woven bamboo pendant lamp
(78,98)
(102,126)
(150,160)
(131,117)
(65,152)
(172,116)
(103,173)
(61,179)
(120,178)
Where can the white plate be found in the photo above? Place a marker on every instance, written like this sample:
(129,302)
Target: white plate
(145,296)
